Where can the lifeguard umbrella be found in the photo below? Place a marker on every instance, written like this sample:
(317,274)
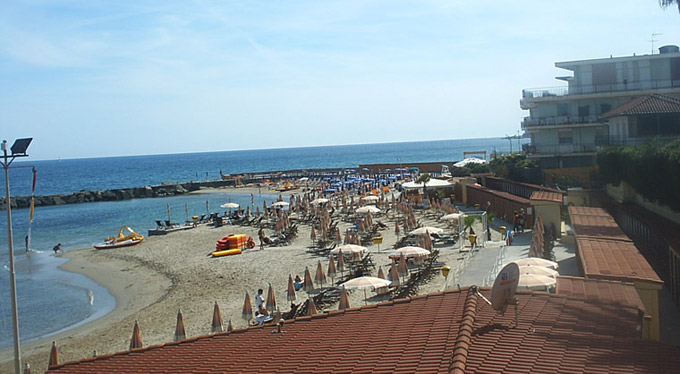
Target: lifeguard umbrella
(427,230)
(307,283)
(344,299)
(538,270)
(408,252)
(536,282)
(537,261)
(247,312)
(364,283)
(290,293)
(311,307)
(368,209)
(271,299)
(136,340)
(180,330)
(217,323)
(320,276)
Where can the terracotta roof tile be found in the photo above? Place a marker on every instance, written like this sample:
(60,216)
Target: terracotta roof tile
(547,196)
(588,211)
(429,334)
(600,290)
(597,227)
(649,104)
(614,260)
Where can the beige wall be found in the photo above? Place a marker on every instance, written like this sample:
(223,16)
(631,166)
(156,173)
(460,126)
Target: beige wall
(649,294)
(550,213)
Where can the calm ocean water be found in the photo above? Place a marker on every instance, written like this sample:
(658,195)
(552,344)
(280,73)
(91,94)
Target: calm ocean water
(50,300)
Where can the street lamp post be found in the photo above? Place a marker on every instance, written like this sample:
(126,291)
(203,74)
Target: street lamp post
(18,150)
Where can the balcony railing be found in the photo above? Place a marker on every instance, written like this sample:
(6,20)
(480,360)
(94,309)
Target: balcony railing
(559,149)
(556,121)
(603,88)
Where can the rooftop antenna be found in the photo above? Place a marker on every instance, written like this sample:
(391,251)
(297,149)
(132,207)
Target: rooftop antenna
(654,34)
(503,290)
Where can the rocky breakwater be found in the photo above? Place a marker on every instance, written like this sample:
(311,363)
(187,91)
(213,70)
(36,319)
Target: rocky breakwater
(20,202)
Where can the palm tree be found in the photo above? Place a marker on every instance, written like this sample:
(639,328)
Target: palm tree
(424,178)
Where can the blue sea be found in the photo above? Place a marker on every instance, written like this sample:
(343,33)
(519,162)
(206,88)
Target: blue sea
(51,300)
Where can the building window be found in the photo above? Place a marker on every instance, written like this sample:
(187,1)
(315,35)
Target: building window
(584,113)
(562,109)
(565,137)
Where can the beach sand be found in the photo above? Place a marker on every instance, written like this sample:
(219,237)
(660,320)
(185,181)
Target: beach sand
(153,280)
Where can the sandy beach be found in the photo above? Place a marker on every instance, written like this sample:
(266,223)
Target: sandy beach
(153,280)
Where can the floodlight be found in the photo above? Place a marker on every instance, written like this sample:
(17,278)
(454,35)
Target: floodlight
(20,146)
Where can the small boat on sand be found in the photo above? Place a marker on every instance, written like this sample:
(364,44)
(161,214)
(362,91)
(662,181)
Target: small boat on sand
(126,237)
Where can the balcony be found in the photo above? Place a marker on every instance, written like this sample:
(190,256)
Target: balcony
(535,93)
(529,122)
(547,150)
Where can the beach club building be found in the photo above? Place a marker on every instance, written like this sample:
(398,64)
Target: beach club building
(615,100)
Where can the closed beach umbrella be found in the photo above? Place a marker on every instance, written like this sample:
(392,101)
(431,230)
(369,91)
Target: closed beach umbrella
(247,313)
(536,261)
(257,211)
(136,340)
(396,228)
(312,234)
(344,299)
(180,331)
(331,268)
(290,293)
(381,273)
(402,268)
(230,327)
(307,283)
(338,236)
(538,270)
(320,276)
(341,261)
(271,299)
(535,282)
(393,276)
(54,355)
(311,307)
(217,323)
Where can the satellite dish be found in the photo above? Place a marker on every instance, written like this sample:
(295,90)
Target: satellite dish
(503,291)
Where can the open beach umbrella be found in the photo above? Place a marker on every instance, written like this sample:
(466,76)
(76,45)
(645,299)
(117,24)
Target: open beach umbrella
(54,355)
(180,330)
(247,312)
(408,252)
(349,249)
(311,307)
(290,294)
(229,205)
(368,209)
(536,261)
(271,299)
(536,282)
(364,283)
(280,204)
(402,268)
(427,230)
(319,201)
(455,217)
(381,273)
(344,299)
(136,340)
(307,283)
(538,270)
(320,276)
(370,199)
(393,276)
(217,323)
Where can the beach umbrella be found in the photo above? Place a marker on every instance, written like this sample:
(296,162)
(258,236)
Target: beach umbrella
(381,273)
(536,282)
(217,323)
(402,268)
(230,327)
(536,261)
(247,312)
(257,211)
(54,355)
(280,204)
(344,299)
(280,198)
(370,199)
(347,238)
(338,236)
(396,228)
(393,276)
(229,205)
(186,212)
(136,340)
(290,294)
(341,261)
(365,283)
(351,249)
(311,307)
(331,269)
(319,201)
(180,331)
(427,230)
(408,252)
(538,270)
(271,299)
(248,211)
(320,276)
(368,209)
(307,283)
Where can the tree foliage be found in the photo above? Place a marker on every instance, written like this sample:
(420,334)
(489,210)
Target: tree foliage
(666,3)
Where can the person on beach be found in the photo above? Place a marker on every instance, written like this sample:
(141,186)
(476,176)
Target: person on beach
(297,284)
(261,235)
(259,299)
(57,248)
(515,222)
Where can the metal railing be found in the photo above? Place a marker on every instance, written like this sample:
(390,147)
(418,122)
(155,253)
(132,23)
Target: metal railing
(560,149)
(600,88)
(557,121)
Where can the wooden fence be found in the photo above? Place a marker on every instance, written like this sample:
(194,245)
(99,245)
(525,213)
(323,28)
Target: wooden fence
(502,203)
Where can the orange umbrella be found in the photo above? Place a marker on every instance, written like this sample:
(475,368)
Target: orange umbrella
(402,268)
(331,268)
(54,355)
(393,276)
(271,299)
(344,299)
(320,276)
(180,331)
(311,307)
(307,284)
(217,323)
(136,341)
(381,274)
(290,293)
(247,313)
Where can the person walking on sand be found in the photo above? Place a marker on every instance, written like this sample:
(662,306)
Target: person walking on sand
(260,234)
(57,248)
(259,299)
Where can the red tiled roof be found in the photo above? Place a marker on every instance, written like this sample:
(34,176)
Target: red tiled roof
(614,260)
(600,290)
(546,196)
(650,104)
(588,211)
(436,333)
(505,195)
(597,227)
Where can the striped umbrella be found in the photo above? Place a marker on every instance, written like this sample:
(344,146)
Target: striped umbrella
(381,273)
(217,323)
(344,299)
(136,340)
(290,293)
(307,283)
(311,307)
(247,313)
(54,354)
(320,276)
(271,299)
(180,331)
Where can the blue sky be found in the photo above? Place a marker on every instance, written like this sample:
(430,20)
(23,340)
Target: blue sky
(106,78)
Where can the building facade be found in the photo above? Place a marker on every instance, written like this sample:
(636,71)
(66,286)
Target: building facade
(566,124)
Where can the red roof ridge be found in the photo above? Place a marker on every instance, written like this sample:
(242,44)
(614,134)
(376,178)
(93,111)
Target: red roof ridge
(460,348)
